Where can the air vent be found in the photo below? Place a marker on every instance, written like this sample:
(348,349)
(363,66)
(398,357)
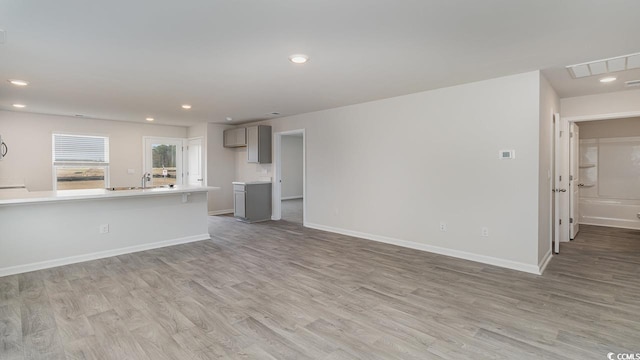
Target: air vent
(599,67)
(632,83)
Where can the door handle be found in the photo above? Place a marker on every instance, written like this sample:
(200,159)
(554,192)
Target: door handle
(199,180)
(580,185)
(563,190)
(558,190)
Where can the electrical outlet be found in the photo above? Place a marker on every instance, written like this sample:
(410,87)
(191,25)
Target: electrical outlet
(484,231)
(443,226)
(103,229)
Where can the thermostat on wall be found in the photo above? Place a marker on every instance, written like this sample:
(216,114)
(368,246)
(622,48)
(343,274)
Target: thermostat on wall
(506,154)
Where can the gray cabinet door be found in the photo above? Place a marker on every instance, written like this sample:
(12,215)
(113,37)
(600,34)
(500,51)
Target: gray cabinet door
(241,136)
(239,198)
(259,144)
(252,144)
(235,137)
(229,138)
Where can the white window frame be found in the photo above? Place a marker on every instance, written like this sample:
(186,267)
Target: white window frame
(71,164)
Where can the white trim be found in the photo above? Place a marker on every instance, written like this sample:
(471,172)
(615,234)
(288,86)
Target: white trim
(12,270)
(220,212)
(608,116)
(292,197)
(542,265)
(509,264)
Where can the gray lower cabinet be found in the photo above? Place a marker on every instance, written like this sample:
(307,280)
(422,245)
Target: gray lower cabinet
(252,201)
(259,144)
(235,137)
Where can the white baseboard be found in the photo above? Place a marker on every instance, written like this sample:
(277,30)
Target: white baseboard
(291,197)
(220,212)
(509,264)
(12,270)
(545,261)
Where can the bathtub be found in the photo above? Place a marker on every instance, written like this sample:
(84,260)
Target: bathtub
(610,212)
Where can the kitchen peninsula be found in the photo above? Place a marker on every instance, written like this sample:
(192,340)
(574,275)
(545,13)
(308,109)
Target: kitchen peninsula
(51,228)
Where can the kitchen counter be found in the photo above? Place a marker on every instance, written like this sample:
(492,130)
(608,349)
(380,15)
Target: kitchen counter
(44,229)
(26,197)
(250,182)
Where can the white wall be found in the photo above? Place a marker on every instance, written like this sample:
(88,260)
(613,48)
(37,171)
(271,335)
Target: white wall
(549,104)
(29,139)
(627,101)
(292,166)
(392,169)
(221,166)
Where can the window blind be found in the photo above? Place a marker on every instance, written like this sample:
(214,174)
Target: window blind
(80,149)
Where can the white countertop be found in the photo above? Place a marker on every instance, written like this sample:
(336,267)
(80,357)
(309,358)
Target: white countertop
(13,198)
(250,182)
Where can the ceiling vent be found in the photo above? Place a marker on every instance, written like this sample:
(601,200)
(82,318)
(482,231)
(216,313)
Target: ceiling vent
(599,67)
(632,83)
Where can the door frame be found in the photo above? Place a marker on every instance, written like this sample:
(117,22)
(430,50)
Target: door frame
(564,165)
(181,158)
(277,181)
(574,179)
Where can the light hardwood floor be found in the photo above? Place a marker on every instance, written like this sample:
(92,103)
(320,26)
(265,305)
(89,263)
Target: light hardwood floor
(292,210)
(275,290)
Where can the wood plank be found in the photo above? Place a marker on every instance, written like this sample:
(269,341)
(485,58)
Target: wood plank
(278,290)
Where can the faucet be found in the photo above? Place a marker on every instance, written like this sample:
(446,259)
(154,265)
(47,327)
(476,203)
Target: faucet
(145,177)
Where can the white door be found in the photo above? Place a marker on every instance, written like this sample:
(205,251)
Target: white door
(574,181)
(195,163)
(163,160)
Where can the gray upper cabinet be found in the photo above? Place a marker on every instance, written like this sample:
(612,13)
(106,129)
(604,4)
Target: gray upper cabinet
(259,144)
(235,137)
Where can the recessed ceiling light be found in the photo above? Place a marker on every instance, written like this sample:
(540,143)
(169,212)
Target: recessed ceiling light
(150,119)
(19,106)
(298,58)
(18,82)
(186,106)
(607,79)
(228,118)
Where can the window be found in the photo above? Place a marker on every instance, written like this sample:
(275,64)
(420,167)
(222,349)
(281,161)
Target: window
(80,162)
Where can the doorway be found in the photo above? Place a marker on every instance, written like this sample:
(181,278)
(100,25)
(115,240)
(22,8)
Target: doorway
(573,177)
(289,195)
(163,160)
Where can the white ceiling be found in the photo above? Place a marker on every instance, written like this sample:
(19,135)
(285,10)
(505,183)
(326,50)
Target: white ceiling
(127,60)
(566,86)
